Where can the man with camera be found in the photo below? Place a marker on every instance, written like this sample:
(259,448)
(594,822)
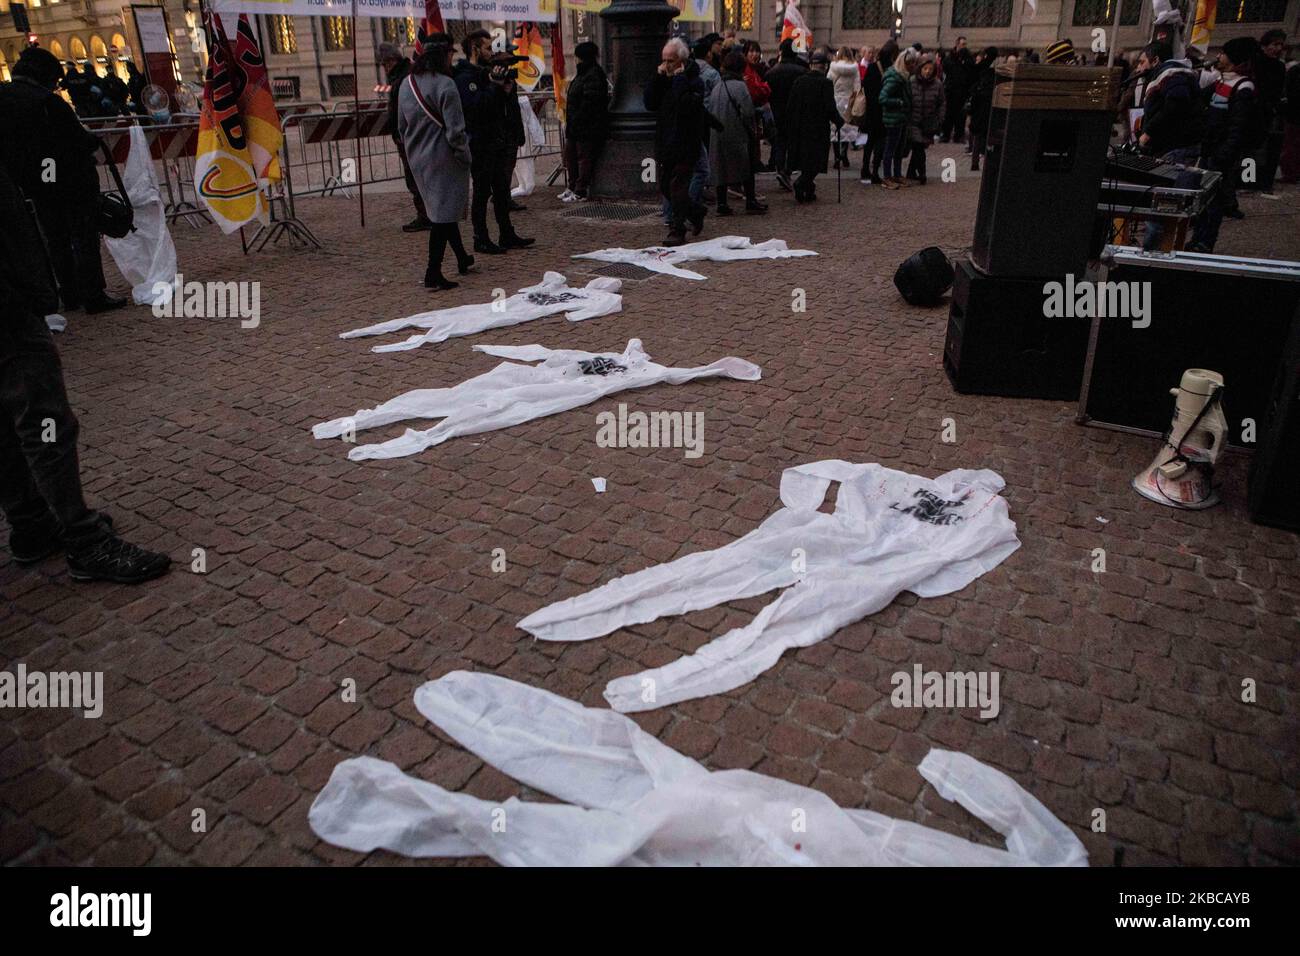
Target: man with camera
(486,83)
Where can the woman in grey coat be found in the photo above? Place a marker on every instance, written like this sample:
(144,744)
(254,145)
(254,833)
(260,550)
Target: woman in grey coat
(733,148)
(432,127)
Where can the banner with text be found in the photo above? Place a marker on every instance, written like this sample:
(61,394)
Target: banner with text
(692,11)
(535,10)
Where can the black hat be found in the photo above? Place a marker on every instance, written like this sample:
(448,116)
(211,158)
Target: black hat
(39,65)
(819,56)
(1241,49)
(711,38)
(586,50)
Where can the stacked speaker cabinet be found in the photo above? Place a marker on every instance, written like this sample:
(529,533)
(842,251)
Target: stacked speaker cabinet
(1273,491)
(1049,131)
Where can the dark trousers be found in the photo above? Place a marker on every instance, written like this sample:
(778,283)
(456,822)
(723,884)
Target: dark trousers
(747,187)
(976,148)
(1269,157)
(894,148)
(73,239)
(805,187)
(874,151)
(676,188)
(411,187)
(491,179)
(1205,231)
(40,478)
(916,162)
(954,117)
(580,162)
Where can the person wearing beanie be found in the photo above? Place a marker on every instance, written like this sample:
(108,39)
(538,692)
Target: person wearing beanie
(36,127)
(586,121)
(396,68)
(1060,53)
(808,114)
(1235,127)
(981,103)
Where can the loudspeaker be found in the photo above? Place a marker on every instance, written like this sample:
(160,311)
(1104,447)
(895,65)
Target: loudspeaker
(1226,313)
(924,277)
(1000,343)
(1273,488)
(1049,131)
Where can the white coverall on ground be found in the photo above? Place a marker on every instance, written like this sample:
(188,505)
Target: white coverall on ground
(664,259)
(552,296)
(146,257)
(514,392)
(629,799)
(891,531)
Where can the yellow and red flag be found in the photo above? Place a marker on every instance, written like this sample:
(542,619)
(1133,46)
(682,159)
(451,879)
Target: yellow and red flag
(431,24)
(1203,24)
(557,69)
(794,28)
(239,128)
(528,42)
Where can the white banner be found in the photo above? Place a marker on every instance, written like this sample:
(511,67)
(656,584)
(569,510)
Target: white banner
(535,10)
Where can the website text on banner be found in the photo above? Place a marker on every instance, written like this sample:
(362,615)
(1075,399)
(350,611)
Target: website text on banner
(537,10)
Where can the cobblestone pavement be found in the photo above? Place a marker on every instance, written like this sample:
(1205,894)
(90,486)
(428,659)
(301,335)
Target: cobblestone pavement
(1120,690)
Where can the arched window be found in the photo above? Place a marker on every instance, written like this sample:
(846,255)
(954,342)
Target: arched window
(56,48)
(4,68)
(98,47)
(78,48)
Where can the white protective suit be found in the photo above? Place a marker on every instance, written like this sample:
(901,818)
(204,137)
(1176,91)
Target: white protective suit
(146,256)
(525,164)
(890,532)
(630,799)
(551,296)
(513,392)
(664,259)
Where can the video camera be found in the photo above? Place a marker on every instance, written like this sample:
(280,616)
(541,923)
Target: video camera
(501,66)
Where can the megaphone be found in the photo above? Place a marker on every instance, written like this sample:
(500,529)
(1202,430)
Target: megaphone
(1181,476)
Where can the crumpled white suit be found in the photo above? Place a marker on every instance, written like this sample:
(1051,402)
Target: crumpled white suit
(525,164)
(630,799)
(891,531)
(551,296)
(512,393)
(664,259)
(146,256)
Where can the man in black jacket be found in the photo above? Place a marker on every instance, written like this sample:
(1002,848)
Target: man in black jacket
(486,93)
(40,478)
(809,113)
(675,94)
(781,80)
(1173,114)
(981,103)
(396,69)
(51,157)
(586,115)
(958,68)
(1270,79)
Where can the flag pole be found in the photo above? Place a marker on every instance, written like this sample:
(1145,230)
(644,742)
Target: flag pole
(356,117)
(1114,33)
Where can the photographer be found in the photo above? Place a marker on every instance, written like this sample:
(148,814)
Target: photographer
(488,96)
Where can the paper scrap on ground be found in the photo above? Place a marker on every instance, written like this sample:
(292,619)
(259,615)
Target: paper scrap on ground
(599,485)
(664,259)
(515,392)
(146,256)
(551,296)
(630,799)
(56,322)
(891,531)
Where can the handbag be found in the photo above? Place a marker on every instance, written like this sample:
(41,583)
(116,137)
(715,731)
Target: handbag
(857,111)
(114,215)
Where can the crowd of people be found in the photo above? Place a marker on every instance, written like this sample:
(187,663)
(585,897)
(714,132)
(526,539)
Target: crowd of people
(93,95)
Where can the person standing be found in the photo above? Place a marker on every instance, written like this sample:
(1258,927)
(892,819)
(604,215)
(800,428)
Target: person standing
(926,117)
(675,94)
(846,80)
(896,110)
(760,93)
(1270,80)
(396,68)
(1290,160)
(872,82)
(809,115)
(1173,114)
(135,84)
(981,103)
(432,126)
(40,474)
(1234,127)
(486,93)
(586,121)
(38,133)
(781,79)
(957,69)
(733,149)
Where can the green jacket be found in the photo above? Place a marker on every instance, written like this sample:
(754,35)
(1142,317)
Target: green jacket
(895,99)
